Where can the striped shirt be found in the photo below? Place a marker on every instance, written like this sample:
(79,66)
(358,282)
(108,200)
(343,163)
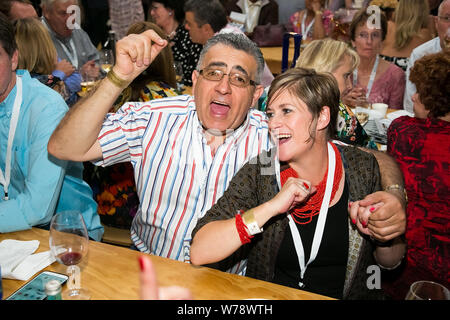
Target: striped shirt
(177,178)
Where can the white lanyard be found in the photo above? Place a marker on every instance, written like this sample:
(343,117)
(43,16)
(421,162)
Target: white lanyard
(305,32)
(6,178)
(371,79)
(318,233)
(72,57)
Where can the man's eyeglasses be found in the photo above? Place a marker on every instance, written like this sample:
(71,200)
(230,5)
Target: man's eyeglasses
(235,78)
(373,36)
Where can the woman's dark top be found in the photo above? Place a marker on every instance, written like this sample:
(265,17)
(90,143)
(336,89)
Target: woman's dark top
(326,274)
(186,52)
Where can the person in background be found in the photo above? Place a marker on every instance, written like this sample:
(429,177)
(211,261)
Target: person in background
(375,80)
(123,13)
(286,8)
(258,12)
(37,54)
(71,42)
(279,216)
(17,9)
(336,57)
(421,146)
(34,185)
(205,18)
(314,22)
(114,186)
(169,15)
(407,32)
(441,42)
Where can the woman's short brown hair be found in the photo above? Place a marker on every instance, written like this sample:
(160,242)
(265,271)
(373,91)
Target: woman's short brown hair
(431,75)
(315,89)
(362,17)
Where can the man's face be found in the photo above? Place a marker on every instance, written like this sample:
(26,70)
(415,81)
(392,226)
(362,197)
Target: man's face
(8,67)
(443,24)
(21,10)
(221,105)
(56,16)
(197,34)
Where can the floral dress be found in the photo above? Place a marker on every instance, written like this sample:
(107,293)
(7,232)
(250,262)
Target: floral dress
(114,187)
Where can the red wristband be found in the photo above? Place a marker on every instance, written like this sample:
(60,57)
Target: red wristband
(242,229)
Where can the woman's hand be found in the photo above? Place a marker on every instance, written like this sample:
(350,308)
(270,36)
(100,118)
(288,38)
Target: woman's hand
(355,97)
(294,192)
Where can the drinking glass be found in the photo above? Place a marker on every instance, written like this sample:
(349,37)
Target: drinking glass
(106,60)
(427,290)
(69,242)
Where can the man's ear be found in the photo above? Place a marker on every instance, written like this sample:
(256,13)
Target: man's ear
(195,75)
(15,60)
(324,118)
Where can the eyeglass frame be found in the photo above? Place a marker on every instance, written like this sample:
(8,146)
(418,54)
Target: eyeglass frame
(446,19)
(367,35)
(250,81)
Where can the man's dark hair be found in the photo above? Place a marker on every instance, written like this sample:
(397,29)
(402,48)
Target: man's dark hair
(175,5)
(7,40)
(208,11)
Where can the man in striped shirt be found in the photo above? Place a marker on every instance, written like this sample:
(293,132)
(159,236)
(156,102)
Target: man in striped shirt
(184,151)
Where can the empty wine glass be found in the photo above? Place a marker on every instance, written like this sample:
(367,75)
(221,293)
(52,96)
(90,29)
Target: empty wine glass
(427,290)
(69,242)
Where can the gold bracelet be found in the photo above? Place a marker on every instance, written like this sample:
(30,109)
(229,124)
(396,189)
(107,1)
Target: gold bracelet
(397,187)
(249,220)
(116,80)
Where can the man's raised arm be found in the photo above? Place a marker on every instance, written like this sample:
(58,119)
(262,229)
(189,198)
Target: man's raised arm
(75,138)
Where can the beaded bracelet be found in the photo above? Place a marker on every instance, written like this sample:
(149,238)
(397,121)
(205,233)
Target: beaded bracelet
(242,230)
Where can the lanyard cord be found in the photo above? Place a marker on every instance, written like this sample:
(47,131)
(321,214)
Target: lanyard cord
(6,178)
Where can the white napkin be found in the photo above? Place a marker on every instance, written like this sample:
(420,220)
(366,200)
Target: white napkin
(18,261)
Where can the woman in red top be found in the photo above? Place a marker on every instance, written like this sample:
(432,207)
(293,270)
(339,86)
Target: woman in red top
(421,146)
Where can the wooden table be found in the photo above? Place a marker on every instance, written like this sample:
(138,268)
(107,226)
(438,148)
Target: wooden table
(273,57)
(112,272)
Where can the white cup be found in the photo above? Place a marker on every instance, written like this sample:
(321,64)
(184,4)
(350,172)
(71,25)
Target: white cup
(380,107)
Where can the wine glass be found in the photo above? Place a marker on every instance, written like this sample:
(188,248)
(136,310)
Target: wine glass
(106,60)
(69,242)
(427,290)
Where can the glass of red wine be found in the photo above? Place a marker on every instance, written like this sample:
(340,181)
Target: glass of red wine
(69,242)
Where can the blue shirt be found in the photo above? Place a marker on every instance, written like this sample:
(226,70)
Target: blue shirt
(40,184)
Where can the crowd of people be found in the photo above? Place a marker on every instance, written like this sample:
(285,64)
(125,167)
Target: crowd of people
(299,191)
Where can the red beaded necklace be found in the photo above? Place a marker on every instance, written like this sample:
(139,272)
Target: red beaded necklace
(303,213)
